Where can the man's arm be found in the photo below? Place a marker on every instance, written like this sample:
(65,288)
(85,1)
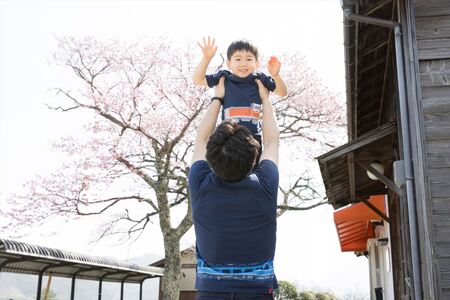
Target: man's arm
(270,129)
(274,67)
(208,124)
(209,50)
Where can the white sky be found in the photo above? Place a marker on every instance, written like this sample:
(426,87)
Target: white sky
(308,251)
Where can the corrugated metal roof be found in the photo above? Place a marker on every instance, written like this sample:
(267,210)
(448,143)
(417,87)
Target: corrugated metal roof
(26,258)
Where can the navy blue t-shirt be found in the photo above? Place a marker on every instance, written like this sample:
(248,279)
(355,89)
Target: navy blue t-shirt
(242,101)
(235,227)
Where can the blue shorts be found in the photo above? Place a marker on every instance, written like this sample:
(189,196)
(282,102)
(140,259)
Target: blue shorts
(231,296)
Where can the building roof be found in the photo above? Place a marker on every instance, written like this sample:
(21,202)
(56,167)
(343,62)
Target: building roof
(371,114)
(19,257)
(344,178)
(161,263)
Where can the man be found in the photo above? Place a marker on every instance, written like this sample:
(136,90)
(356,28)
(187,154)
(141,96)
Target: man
(233,207)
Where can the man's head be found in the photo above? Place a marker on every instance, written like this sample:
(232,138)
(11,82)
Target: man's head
(231,151)
(242,58)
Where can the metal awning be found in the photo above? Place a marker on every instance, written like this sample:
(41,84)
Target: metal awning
(354,223)
(19,257)
(344,168)
(31,259)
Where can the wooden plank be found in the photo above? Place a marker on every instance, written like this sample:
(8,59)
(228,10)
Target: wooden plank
(441,221)
(441,205)
(361,141)
(438,148)
(434,72)
(372,48)
(445,293)
(434,132)
(432,106)
(439,175)
(351,175)
(440,189)
(433,48)
(436,93)
(442,249)
(439,161)
(444,264)
(375,7)
(381,178)
(437,117)
(442,234)
(425,8)
(437,27)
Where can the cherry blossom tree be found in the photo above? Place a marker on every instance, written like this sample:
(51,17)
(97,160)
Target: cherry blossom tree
(131,164)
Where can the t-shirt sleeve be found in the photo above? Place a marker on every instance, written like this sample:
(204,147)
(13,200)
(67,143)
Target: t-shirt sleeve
(197,174)
(268,176)
(213,79)
(267,81)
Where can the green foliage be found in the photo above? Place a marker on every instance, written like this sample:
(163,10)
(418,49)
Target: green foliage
(288,291)
(325,296)
(51,295)
(311,295)
(307,296)
(354,295)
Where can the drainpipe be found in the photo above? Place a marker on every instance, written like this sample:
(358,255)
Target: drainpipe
(405,139)
(349,45)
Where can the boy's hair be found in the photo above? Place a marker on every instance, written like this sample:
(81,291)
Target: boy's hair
(231,151)
(242,45)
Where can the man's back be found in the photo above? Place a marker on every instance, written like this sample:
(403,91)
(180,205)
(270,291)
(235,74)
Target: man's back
(235,226)
(235,222)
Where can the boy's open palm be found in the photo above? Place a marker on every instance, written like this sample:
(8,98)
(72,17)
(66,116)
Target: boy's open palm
(274,66)
(208,47)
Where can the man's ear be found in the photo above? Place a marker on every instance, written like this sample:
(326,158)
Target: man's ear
(228,63)
(258,63)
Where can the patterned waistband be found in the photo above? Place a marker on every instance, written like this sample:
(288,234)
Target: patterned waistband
(263,271)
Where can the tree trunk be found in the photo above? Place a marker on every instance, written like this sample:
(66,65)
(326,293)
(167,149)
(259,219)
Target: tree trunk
(172,268)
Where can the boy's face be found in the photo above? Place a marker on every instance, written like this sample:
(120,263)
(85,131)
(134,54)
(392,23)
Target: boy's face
(242,63)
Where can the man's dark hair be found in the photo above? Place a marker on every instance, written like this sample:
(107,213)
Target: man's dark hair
(242,45)
(231,151)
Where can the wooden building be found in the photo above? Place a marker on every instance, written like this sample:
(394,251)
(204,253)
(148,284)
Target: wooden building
(397,57)
(188,273)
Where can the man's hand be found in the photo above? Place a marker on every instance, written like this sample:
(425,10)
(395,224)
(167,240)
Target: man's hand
(274,66)
(270,129)
(208,47)
(219,90)
(263,92)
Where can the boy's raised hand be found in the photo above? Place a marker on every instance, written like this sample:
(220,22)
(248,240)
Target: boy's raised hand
(208,47)
(274,66)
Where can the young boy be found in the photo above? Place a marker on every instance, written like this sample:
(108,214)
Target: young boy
(242,101)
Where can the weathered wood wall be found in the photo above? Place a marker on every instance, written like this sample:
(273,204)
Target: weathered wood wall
(433,44)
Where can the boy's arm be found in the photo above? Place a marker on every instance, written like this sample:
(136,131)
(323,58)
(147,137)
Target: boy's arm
(209,50)
(270,129)
(274,67)
(281,89)
(208,124)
